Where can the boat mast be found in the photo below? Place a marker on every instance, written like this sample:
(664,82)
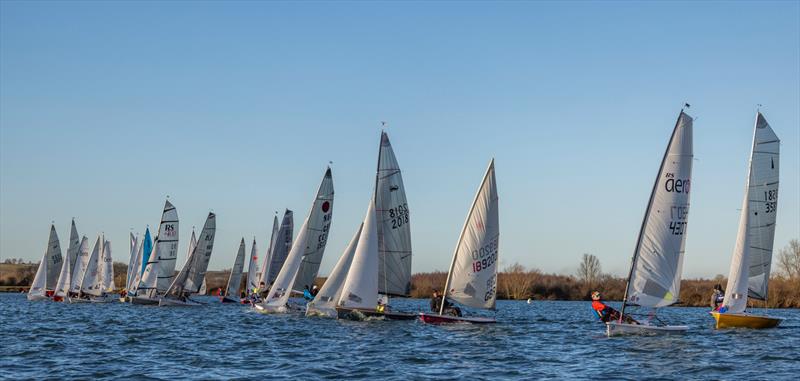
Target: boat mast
(646,215)
(461,236)
(381,250)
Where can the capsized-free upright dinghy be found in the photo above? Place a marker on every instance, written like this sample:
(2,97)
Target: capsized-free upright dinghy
(472,279)
(49,267)
(159,268)
(192,276)
(752,255)
(235,278)
(655,275)
(311,241)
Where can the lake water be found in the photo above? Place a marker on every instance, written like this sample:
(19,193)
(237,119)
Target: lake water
(563,340)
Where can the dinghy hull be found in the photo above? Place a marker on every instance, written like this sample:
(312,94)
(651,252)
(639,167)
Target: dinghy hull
(731,320)
(270,309)
(35,298)
(363,313)
(449,319)
(614,328)
(144,301)
(169,302)
(226,299)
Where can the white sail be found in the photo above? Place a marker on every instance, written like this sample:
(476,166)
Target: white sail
(318,227)
(235,278)
(81,264)
(53,256)
(264,276)
(203,288)
(130,273)
(252,269)
(360,289)
(136,277)
(281,248)
(192,245)
(64,279)
(160,269)
(394,232)
(325,301)
(38,289)
(752,255)
(658,258)
(190,278)
(281,288)
(74,245)
(92,282)
(472,280)
(108,267)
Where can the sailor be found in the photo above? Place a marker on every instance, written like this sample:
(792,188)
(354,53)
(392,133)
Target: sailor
(381,308)
(606,313)
(436,300)
(314,290)
(307,294)
(717,297)
(449,308)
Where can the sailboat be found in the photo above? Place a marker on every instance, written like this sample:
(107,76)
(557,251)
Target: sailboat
(324,303)
(190,279)
(93,285)
(142,256)
(252,270)
(280,250)
(108,268)
(131,271)
(159,271)
(65,275)
(655,276)
(49,267)
(310,240)
(752,255)
(472,279)
(235,278)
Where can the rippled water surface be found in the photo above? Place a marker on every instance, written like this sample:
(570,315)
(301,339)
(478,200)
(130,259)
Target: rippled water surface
(44,340)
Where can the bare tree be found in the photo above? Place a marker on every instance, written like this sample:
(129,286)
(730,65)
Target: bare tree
(789,260)
(516,281)
(589,271)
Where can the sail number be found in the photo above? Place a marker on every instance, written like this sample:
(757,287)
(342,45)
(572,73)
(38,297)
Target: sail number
(771,200)
(679,213)
(491,287)
(399,216)
(484,257)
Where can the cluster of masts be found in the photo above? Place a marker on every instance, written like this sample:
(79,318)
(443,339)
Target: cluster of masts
(376,264)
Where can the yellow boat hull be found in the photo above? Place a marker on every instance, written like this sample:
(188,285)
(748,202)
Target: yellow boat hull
(729,320)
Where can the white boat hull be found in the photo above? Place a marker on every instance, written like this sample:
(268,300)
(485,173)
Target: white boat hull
(269,309)
(614,328)
(34,297)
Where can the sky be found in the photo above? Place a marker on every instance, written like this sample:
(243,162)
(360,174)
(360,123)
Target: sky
(107,108)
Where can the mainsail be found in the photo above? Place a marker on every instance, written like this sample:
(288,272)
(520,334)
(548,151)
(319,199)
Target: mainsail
(281,248)
(74,244)
(264,277)
(147,249)
(472,279)
(360,289)
(252,269)
(317,239)
(190,278)
(752,255)
(393,225)
(235,278)
(325,301)
(655,275)
(108,267)
(160,269)
(136,265)
(134,249)
(64,279)
(313,224)
(81,263)
(92,282)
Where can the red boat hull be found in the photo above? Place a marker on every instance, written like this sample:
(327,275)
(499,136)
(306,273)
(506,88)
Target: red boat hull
(449,319)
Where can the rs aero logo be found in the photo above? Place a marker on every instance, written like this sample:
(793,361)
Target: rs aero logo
(676,185)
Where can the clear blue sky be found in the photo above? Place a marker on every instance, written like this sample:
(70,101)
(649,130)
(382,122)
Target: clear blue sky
(107,107)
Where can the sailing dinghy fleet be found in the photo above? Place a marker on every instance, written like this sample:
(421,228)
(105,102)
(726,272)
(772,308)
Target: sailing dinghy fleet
(376,263)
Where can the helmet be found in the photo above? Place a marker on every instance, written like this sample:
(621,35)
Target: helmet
(596,295)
